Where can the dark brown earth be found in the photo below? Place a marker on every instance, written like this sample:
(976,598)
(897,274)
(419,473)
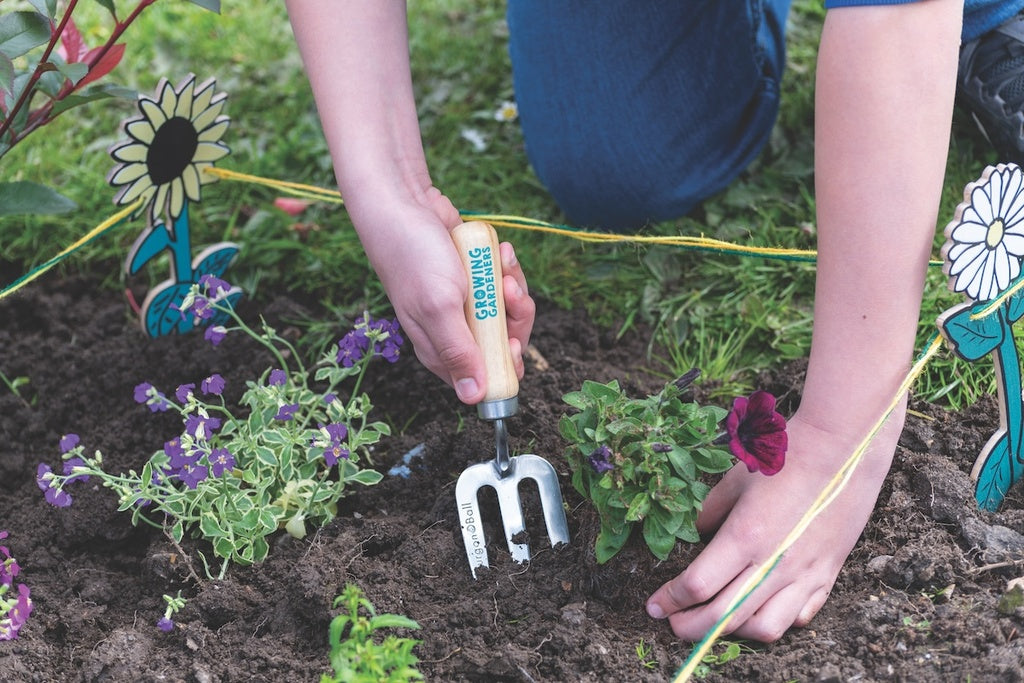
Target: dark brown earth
(917,600)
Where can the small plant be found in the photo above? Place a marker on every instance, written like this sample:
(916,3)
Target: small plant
(174,603)
(14,611)
(235,476)
(643,653)
(356,657)
(641,460)
(711,660)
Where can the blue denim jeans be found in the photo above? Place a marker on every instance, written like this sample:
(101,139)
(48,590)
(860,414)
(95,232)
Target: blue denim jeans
(636,110)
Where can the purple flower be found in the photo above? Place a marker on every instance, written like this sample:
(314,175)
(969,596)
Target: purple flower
(214,286)
(330,398)
(215,334)
(67,442)
(166,624)
(173,447)
(600,459)
(387,339)
(54,496)
(757,434)
(192,474)
(184,391)
(69,465)
(221,461)
(148,394)
(213,385)
(334,450)
(286,412)
(349,351)
(277,378)
(181,459)
(8,565)
(17,616)
(201,426)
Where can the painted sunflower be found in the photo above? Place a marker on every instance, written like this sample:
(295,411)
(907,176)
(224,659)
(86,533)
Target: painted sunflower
(175,139)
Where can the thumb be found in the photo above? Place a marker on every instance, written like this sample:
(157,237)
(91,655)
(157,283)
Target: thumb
(463,361)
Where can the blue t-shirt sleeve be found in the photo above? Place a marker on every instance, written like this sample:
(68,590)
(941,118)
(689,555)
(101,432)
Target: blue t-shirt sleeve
(829,4)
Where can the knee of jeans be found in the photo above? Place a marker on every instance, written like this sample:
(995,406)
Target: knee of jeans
(621,194)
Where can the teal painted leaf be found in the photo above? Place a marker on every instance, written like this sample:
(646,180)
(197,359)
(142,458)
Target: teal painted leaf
(1015,306)
(22,31)
(973,339)
(996,475)
(24,197)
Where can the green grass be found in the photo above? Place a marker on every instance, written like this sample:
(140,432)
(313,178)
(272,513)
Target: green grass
(701,312)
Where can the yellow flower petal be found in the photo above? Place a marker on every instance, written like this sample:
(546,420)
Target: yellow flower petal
(204,178)
(160,200)
(141,130)
(210,114)
(203,96)
(209,152)
(132,152)
(184,107)
(168,99)
(152,111)
(140,188)
(128,173)
(177,197)
(215,131)
(190,179)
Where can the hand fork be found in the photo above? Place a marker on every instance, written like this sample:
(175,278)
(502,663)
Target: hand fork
(477,244)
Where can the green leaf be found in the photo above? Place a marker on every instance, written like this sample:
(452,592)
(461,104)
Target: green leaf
(211,527)
(73,72)
(178,531)
(609,542)
(682,462)
(265,455)
(657,538)
(22,31)
(109,5)
(391,621)
(367,477)
(25,197)
(45,7)
(6,74)
(100,91)
(638,507)
(212,5)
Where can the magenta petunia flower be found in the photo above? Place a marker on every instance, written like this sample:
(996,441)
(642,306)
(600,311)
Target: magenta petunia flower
(757,433)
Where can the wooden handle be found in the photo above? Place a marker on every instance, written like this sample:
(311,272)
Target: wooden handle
(477,244)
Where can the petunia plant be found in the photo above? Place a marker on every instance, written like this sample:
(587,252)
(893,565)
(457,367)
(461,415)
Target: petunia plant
(234,475)
(641,462)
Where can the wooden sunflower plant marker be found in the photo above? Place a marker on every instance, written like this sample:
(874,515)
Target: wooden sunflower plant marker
(174,140)
(982,257)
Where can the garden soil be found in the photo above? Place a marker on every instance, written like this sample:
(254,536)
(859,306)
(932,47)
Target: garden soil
(921,597)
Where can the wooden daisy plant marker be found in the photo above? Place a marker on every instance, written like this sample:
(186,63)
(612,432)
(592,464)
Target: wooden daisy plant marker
(173,141)
(982,257)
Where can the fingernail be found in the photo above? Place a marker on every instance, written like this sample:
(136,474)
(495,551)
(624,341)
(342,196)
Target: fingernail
(654,611)
(466,388)
(511,260)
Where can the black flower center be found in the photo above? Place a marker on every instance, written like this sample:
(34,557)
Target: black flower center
(172,149)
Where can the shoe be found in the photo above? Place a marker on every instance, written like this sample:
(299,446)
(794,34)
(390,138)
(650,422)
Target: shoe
(990,85)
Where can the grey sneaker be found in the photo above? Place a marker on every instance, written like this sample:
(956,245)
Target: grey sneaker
(990,85)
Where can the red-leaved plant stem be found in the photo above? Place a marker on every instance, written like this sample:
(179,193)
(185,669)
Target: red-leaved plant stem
(41,116)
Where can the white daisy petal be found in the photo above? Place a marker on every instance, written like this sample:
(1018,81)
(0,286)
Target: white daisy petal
(967,257)
(969,232)
(1014,244)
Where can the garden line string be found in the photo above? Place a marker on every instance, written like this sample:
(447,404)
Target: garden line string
(108,224)
(705,244)
(828,494)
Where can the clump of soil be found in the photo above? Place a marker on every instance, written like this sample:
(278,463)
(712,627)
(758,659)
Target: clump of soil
(918,599)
